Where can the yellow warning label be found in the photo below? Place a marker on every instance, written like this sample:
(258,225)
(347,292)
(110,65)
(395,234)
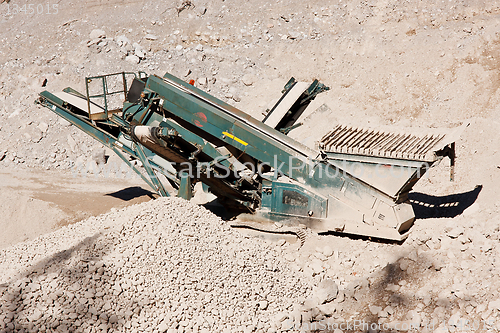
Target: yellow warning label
(229,135)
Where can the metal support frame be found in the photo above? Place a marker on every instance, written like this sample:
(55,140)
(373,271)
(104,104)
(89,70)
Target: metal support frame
(185,190)
(56,105)
(137,171)
(157,185)
(452,161)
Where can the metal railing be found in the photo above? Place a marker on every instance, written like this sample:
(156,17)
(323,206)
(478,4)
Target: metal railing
(106,89)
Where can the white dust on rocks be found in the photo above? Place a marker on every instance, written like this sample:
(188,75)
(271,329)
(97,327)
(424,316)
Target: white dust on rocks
(165,264)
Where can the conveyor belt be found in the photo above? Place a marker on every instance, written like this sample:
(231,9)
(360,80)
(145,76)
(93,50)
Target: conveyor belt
(351,140)
(244,118)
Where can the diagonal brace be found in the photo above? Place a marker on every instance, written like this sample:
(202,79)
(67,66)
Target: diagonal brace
(157,185)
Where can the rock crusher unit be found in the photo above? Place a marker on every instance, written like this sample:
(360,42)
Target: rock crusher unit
(182,136)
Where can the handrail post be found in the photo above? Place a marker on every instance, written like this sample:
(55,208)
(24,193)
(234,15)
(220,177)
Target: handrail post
(105,90)
(87,80)
(124,80)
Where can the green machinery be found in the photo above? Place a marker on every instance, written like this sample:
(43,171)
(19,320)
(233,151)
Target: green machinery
(183,135)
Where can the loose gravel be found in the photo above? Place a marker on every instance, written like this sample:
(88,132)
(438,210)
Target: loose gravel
(164,265)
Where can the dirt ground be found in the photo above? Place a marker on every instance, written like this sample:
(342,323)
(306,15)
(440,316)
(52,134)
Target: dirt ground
(35,203)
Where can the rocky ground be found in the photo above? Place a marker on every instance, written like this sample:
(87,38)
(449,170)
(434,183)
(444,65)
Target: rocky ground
(150,267)
(406,63)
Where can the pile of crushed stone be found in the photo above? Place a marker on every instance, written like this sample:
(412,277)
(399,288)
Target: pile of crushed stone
(163,265)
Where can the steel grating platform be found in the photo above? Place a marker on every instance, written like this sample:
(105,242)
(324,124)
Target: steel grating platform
(352,140)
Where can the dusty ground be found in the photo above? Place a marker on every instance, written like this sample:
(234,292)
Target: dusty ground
(34,202)
(405,63)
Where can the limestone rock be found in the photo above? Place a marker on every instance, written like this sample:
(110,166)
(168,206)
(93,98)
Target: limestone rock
(326,291)
(97,34)
(249,79)
(151,37)
(132,59)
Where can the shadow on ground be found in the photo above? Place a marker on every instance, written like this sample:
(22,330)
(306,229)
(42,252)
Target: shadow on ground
(130,193)
(428,206)
(398,298)
(69,291)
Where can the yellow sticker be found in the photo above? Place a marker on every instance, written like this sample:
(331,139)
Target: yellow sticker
(229,135)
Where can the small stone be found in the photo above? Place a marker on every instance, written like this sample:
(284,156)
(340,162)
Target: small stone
(113,319)
(326,291)
(403,326)
(139,51)
(97,34)
(327,251)
(202,81)
(375,309)
(248,79)
(263,305)
(151,37)
(37,314)
(383,314)
(404,264)
(494,305)
(13,156)
(202,10)
(99,156)
(43,126)
(455,232)
(287,325)
(34,286)
(316,266)
(132,59)
(93,42)
(293,34)
(455,320)
(123,41)
(199,47)
(37,136)
(162,327)
(15,113)
(438,263)
(320,256)
(328,309)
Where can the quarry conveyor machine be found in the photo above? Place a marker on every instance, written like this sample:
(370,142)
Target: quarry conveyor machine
(349,180)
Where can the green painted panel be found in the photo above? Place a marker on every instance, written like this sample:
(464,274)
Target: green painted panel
(294,199)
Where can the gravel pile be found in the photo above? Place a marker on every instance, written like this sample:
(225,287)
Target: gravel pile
(164,265)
